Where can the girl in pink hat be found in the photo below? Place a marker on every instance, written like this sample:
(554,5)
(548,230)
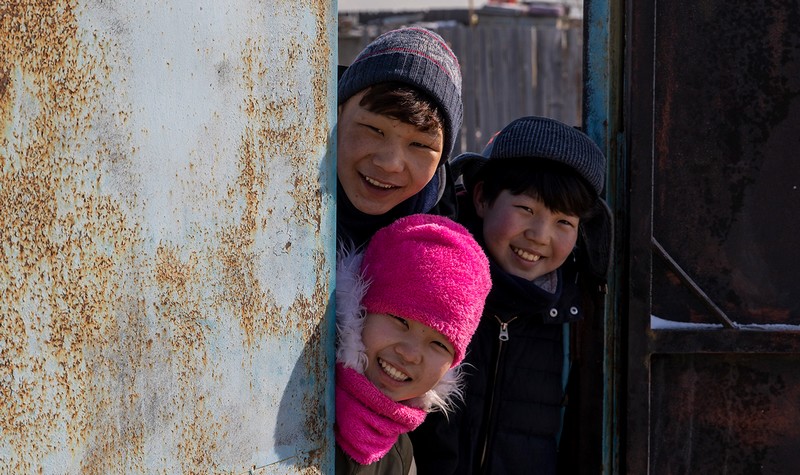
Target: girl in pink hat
(406,309)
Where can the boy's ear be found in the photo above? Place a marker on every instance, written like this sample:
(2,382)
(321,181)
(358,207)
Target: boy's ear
(477,199)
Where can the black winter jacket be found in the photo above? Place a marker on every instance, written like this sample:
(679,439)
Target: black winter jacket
(511,417)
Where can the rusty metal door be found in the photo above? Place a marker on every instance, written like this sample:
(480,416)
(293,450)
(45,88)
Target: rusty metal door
(166,236)
(712,126)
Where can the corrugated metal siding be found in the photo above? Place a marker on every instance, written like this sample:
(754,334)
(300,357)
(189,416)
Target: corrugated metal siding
(166,236)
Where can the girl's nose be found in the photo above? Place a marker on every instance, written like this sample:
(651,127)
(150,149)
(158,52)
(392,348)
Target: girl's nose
(409,351)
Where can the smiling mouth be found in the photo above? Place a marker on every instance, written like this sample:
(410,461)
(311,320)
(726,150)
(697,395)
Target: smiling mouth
(525,255)
(378,184)
(393,372)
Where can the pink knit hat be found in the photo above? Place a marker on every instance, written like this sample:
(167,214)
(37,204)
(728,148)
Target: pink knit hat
(429,269)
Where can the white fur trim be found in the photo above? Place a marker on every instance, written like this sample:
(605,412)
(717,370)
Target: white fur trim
(350,290)
(445,394)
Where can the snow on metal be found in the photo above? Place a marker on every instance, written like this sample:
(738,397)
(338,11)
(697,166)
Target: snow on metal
(166,236)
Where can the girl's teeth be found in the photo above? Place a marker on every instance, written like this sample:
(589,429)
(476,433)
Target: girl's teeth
(374,182)
(392,372)
(527,255)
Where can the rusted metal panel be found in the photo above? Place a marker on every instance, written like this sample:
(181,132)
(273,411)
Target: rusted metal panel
(725,414)
(166,236)
(713,104)
(727,109)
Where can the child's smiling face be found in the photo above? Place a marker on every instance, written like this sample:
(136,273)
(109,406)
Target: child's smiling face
(406,358)
(382,161)
(523,236)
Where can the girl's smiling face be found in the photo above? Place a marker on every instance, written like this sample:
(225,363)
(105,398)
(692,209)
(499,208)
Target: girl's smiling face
(524,236)
(406,358)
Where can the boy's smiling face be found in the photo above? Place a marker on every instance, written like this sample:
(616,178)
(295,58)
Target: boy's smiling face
(523,236)
(406,358)
(381,161)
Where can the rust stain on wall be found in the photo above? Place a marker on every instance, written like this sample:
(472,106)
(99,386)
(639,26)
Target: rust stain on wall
(180,309)
(91,316)
(290,130)
(318,49)
(278,132)
(6,100)
(256,309)
(64,249)
(182,313)
(320,54)
(321,63)
(315,359)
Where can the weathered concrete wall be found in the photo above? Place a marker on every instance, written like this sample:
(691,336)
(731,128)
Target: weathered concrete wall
(166,236)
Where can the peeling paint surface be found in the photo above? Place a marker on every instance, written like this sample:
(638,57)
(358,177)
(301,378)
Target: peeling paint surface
(166,236)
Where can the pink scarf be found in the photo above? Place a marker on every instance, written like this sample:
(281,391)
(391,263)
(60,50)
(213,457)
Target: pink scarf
(368,423)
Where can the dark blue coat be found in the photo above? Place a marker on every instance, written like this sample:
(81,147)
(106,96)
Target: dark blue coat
(510,420)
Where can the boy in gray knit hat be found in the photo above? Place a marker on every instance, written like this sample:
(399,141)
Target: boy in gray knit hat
(399,113)
(532,200)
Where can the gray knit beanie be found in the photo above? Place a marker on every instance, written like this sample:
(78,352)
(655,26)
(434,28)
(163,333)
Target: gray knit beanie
(417,57)
(542,137)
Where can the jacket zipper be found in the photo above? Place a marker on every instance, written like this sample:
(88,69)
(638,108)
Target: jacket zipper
(503,337)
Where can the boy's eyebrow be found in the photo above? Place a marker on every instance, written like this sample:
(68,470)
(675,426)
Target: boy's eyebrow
(432,133)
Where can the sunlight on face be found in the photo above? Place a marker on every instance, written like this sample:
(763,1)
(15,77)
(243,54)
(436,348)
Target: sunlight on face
(406,358)
(523,236)
(381,161)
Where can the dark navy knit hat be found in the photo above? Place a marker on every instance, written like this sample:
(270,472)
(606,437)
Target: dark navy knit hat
(542,137)
(417,57)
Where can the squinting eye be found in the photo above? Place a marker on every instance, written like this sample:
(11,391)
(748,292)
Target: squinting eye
(374,129)
(570,223)
(442,345)
(526,209)
(401,320)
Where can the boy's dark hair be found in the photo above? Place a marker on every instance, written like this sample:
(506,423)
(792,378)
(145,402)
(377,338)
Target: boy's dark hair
(557,185)
(404,103)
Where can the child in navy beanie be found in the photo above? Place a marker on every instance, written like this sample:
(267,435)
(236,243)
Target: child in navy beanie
(400,111)
(533,201)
